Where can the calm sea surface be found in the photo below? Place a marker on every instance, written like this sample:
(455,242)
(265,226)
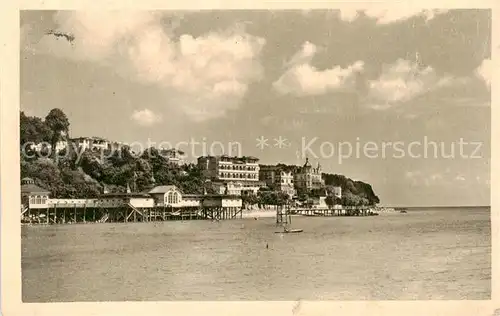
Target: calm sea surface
(424,254)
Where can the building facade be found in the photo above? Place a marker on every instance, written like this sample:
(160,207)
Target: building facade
(308,177)
(337,192)
(91,143)
(174,156)
(239,173)
(229,188)
(171,196)
(39,147)
(278,178)
(32,196)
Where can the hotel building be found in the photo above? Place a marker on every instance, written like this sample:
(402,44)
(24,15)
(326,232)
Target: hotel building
(278,178)
(308,177)
(242,172)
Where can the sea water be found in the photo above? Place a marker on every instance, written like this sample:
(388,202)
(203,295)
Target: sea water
(423,254)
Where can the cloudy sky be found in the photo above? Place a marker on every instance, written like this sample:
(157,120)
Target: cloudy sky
(330,83)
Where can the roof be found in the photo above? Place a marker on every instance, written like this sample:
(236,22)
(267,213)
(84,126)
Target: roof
(163,189)
(197,196)
(171,150)
(222,196)
(278,167)
(136,195)
(32,188)
(89,138)
(234,159)
(307,164)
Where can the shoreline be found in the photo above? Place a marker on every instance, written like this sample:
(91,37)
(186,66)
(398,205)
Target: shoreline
(258,213)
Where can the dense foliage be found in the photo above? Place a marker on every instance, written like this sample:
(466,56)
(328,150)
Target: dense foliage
(75,175)
(353,192)
(72,174)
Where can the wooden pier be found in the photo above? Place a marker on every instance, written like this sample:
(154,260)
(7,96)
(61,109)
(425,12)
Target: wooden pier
(77,213)
(340,211)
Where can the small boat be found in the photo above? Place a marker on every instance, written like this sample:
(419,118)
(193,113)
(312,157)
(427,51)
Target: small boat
(290,231)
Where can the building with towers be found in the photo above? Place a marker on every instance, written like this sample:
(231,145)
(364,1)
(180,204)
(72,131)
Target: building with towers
(308,177)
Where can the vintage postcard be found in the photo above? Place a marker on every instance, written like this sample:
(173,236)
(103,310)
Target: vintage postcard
(215,157)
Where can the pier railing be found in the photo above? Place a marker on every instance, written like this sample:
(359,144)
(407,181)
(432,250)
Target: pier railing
(65,213)
(335,211)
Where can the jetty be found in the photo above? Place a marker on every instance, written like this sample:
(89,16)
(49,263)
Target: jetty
(338,210)
(88,212)
(162,203)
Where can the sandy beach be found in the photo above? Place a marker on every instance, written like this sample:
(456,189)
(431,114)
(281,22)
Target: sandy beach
(257,213)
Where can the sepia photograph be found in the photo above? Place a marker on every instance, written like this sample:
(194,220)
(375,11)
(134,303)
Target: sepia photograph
(255,155)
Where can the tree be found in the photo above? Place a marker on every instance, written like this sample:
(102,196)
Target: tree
(72,177)
(58,123)
(303,196)
(331,201)
(281,198)
(32,130)
(249,199)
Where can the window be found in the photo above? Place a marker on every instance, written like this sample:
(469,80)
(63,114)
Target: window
(173,197)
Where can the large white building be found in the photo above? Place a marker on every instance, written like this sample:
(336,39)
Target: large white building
(171,196)
(91,143)
(235,172)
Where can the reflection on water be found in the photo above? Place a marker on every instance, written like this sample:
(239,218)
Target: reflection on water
(419,255)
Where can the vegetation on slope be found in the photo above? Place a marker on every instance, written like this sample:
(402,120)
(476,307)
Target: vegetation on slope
(71,175)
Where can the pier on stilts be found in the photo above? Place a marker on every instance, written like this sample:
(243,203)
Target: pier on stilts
(162,203)
(336,211)
(60,211)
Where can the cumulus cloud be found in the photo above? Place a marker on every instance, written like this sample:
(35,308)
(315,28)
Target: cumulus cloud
(304,55)
(402,81)
(386,16)
(205,75)
(484,71)
(301,78)
(145,117)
